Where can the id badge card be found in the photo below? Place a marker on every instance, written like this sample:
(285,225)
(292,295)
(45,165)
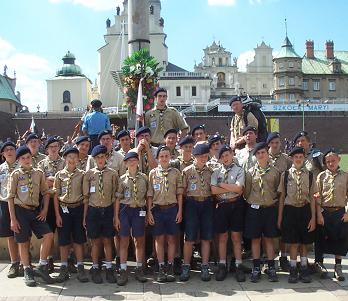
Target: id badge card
(157,187)
(64,190)
(142,213)
(24,189)
(193,186)
(255,206)
(153,124)
(92,189)
(65,209)
(127,194)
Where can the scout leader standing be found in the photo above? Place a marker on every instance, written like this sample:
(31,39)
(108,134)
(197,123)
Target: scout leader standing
(261,186)
(68,204)
(199,210)
(83,144)
(8,150)
(331,215)
(33,143)
(185,159)
(296,218)
(25,185)
(162,118)
(99,190)
(227,183)
(130,214)
(165,210)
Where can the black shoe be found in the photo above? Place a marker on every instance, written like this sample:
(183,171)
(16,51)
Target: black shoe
(71,266)
(50,265)
(305,276)
(293,275)
(272,275)
(110,275)
(96,275)
(255,275)
(338,273)
(161,277)
(245,269)
(177,266)
(205,274)
(321,270)
(185,274)
(13,271)
(123,278)
(170,276)
(221,272)
(240,275)
(118,263)
(63,274)
(42,271)
(81,274)
(21,271)
(232,268)
(29,277)
(284,264)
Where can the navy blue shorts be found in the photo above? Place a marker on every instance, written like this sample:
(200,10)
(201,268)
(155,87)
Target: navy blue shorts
(72,229)
(261,222)
(229,217)
(29,223)
(5,221)
(199,219)
(165,223)
(51,216)
(131,220)
(100,222)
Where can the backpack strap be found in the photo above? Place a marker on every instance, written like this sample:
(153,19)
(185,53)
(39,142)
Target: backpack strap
(310,179)
(245,117)
(286,180)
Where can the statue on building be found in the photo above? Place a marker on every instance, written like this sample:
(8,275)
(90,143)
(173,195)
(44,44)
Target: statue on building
(5,70)
(161,22)
(235,59)
(108,23)
(151,9)
(118,10)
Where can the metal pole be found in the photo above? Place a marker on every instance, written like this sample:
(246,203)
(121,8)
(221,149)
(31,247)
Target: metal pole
(303,116)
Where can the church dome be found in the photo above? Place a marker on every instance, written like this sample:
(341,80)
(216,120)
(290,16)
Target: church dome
(69,68)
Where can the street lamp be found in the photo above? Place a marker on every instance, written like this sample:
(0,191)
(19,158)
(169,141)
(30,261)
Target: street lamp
(303,103)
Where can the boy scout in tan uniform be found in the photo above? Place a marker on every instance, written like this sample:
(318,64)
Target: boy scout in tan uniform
(171,139)
(245,156)
(85,161)
(185,159)
(215,143)
(33,142)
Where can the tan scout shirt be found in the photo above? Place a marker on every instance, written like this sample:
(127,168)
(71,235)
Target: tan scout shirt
(50,168)
(298,197)
(64,179)
(313,166)
(232,174)
(238,124)
(91,193)
(214,163)
(86,163)
(18,188)
(245,158)
(180,164)
(133,193)
(174,154)
(161,121)
(144,166)
(280,161)
(196,182)
(333,188)
(37,159)
(5,171)
(270,184)
(164,191)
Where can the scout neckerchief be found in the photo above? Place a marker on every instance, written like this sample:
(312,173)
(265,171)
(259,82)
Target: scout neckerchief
(83,162)
(331,182)
(227,170)
(28,172)
(11,167)
(54,164)
(135,187)
(101,183)
(161,118)
(69,182)
(164,173)
(201,175)
(275,157)
(262,172)
(298,174)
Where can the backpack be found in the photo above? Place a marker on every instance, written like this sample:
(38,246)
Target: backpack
(253,105)
(286,179)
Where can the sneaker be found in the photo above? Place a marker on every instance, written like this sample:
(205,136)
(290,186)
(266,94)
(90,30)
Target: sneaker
(305,276)
(321,270)
(42,271)
(71,266)
(29,277)
(21,271)
(221,272)
(140,275)
(255,275)
(240,275)
(81,274)
(110,275)
(338,273)
(293,275)
(205,275)
(245,269)
(284,264)
(63,274)
(123,278)
(50,265)
(96,275)
(118,263)
(232,268)
(161,276)
(185,273)
(170,276)
(272,275)
(13,271)
(177,266)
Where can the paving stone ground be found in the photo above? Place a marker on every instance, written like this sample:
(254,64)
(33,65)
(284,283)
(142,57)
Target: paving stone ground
(195,289)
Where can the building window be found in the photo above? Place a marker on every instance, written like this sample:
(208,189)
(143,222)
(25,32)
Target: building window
(220,61)
(221,80)
(264,86)
(316,85)
(178,91)
(291,81)
(305,85)
(194,91)
(332,85)
(292,96)
(281,65)
(291,64)
(66,108)
(66,97)
(281,82)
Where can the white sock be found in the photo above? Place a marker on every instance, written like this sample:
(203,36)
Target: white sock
(79,263)
(108,264)
(304,261)
(123,266)
(238,262)
(293,263)
(42,262)
(95,266)
(50,257)
(161,263)
(283,254)
(223,261)
(139,264)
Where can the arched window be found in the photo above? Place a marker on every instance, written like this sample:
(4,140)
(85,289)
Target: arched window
(221,79)
(66,108)
(66,97)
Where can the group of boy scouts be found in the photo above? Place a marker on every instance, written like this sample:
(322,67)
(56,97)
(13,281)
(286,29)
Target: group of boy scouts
(182,193)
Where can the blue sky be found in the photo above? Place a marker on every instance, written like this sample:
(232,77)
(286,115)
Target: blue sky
(34,35)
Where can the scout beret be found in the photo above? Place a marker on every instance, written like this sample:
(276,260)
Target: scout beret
(200,149)
(31,137)
(71,150)
(170,131)
(142,130)
(330,151)
(7,143)
(297,150)
(214,138)
(103,133)
(235,98)
(186,140)
(82,139)
(259,146)
(122,133)
(160,148)
(130,155)
(224,148)
(99,149)
(198,127)
(249,128)
(272,136)
(96,103)
(51,140)
(300,134)
(22,150)
(159,90)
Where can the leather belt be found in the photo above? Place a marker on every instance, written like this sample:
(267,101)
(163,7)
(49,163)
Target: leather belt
(228,200)
(198,198)
(71,205)
(32,208)
(131,205)
(166,206)
(332,209)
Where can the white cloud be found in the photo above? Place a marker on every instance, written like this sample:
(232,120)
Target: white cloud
(244,59)
(99,5)
(222,2)
(31,72)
